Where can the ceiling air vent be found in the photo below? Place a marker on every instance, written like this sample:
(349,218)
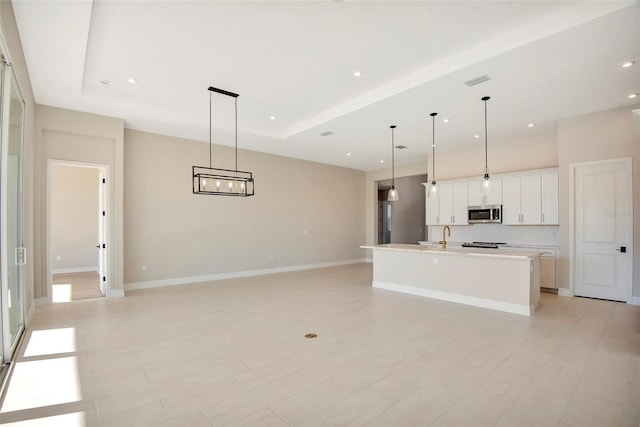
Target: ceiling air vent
(477,80)
(401,147)
(326,133)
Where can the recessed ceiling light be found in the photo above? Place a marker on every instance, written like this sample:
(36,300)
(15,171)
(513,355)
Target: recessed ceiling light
(628,64)
(105,82)
(381,161)
(348,154)
(273,117)
(476,136)
(632,95)
(357,73)
(132,80)
(445,120)
(531,125)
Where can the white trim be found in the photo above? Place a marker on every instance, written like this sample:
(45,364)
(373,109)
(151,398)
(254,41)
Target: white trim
(50,271)
(30,311)
(565,292)
(572,254)
(221,276)
(460,299)
(368,259)
(115,293)
(74,270)
(43,301)
(634,301)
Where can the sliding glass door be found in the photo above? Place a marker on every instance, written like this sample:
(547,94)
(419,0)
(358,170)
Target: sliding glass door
(12,253)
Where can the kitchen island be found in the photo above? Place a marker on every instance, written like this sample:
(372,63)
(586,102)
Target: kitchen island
(505,281)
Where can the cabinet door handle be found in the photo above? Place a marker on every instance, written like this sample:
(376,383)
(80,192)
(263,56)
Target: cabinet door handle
(453,219)
(543,218)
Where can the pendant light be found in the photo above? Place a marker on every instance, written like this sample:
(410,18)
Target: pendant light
(222,182)
(485,187)
(393,193)
(433,188)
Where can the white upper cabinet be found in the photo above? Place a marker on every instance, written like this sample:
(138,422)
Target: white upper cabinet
(477,197)
(460,203)
(527,198)
(550,198)
(522,200)
(449,206)
(453,203)
(431,207)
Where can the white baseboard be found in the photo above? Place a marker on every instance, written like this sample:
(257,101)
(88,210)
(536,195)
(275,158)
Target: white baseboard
(74,270)
(115,293)
(42,301)
(565,292)
(634,301)
(30,311)
(460,299)
(233,275)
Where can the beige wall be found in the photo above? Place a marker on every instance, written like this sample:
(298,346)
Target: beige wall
(74,217)
(79,137)
(12,40)
(302,213)
(600,136)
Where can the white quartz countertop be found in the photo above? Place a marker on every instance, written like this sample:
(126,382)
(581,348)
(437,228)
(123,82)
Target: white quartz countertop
(482,252)
(501,247)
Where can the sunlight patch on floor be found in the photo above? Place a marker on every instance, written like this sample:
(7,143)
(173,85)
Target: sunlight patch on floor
(61,292)
(51,341)
(46,382)
(75,419)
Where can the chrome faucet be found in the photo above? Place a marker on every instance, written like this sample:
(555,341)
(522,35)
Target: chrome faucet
(443,242)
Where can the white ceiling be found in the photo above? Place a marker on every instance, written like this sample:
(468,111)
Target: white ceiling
(547,60)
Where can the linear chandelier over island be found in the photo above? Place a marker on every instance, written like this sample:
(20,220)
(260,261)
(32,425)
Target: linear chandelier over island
(222,182)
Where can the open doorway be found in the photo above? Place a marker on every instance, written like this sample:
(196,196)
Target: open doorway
(77,212)
(402,221)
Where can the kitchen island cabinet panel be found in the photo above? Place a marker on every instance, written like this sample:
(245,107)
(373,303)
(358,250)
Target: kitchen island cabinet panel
(505,281)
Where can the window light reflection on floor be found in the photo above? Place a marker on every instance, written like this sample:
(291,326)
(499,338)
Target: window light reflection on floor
(46,382)
(48,375)
(51,341)
(61,293)
(75,419)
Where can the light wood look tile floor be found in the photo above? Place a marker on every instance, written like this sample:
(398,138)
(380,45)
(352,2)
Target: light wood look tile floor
(77,286)
(233,353)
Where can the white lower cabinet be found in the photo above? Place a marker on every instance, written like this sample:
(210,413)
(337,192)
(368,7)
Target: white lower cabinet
(548,271)
(548,259)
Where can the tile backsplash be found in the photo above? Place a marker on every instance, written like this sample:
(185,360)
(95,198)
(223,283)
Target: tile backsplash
(512,234)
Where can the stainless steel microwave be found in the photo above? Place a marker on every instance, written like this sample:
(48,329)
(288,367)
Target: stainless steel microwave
(484,214)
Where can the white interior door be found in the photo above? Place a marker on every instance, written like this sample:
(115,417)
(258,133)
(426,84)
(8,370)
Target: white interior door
(102,231)
(603,221)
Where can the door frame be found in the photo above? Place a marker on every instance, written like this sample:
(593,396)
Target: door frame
(572,223)
(107,206)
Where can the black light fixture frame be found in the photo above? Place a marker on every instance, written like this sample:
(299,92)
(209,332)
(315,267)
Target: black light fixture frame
(222,182)
(433,149)
(486,155)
